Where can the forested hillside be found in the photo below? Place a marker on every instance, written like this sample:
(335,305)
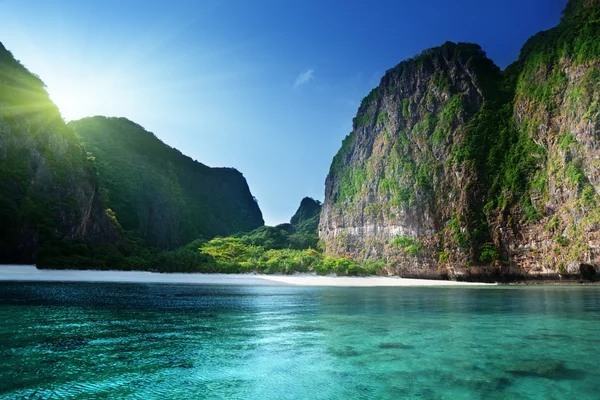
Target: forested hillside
(167,198)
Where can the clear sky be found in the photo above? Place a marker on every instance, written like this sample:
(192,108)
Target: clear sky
(269,87)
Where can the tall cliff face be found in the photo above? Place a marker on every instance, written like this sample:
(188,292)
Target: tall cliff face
(48,186)
(165,196)
(557,107)
(456,168)
(402,172)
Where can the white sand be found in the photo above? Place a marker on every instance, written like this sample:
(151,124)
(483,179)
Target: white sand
(31,273)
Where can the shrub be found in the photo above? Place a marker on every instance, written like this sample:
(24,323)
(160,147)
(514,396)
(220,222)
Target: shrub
(488,253)
(563,241)
(408,244)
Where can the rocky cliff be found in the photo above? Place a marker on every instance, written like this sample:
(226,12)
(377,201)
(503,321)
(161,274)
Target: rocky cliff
(455,168)
(166,197)
(557,108)
(48,186)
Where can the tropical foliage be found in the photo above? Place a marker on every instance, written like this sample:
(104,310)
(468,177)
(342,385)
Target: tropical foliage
(266,250)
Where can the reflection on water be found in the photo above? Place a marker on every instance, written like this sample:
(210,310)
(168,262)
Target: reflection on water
(187,342)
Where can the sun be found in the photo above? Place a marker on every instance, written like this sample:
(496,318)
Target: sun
(79,96)
(71,104)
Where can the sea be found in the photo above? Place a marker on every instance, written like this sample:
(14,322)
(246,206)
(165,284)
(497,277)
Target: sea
(173,341)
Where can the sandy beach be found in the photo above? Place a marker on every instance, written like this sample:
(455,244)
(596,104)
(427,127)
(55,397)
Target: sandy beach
(31,273)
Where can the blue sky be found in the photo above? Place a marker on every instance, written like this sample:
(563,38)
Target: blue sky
(268,87)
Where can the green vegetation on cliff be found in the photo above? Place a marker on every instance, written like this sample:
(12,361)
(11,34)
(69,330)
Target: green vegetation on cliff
(164,196)
(48,185)
(306,218)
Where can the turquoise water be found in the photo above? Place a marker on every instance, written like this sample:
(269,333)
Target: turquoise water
(67,340)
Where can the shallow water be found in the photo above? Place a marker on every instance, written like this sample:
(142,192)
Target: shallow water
(75,340)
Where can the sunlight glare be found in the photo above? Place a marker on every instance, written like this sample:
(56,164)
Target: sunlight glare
(78,99)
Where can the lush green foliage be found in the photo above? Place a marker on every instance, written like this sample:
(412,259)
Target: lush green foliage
(410,245)
(566,141)
(339,159)
(159,196)
(266,250)
(488,253)
(448,116)
(352,181)
(382,118)
(372,96)
(237,255)
(362,120)
(286,249)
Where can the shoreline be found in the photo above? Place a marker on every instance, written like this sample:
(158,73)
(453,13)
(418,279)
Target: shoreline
(29,273)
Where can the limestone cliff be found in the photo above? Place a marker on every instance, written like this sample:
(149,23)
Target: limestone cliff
(158,192)
(48,186)
(455,168)
(557,107)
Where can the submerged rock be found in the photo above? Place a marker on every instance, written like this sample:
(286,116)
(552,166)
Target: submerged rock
(395,345)
(548,369)
(68,344)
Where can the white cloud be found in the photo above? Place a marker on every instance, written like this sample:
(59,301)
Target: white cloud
(304,77)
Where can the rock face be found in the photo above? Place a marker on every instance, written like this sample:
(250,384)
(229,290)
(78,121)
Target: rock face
(166,197)
(48,186)
(457,169)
